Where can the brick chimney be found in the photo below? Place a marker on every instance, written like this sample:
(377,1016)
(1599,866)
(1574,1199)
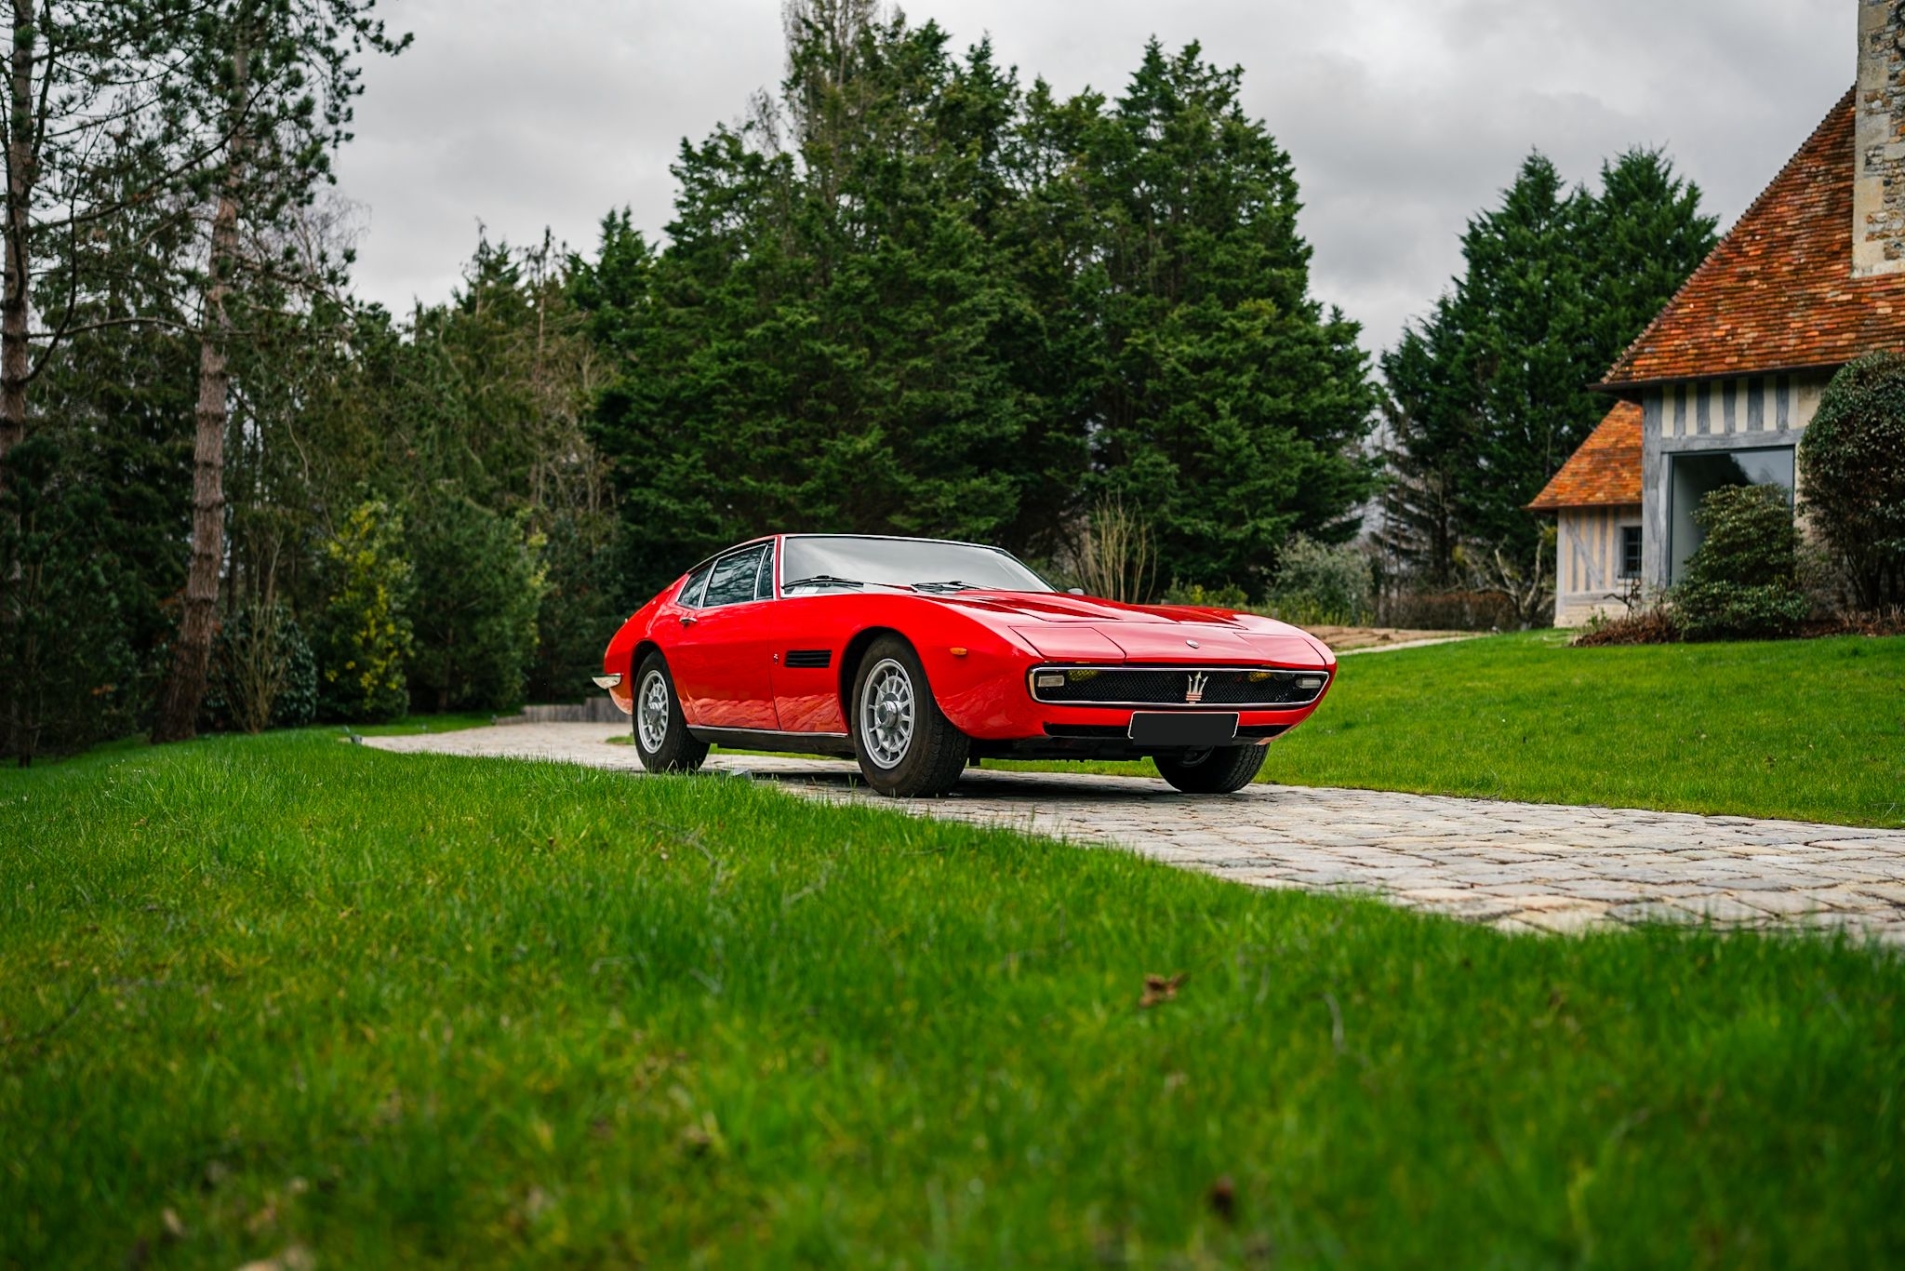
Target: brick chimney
(1878,184)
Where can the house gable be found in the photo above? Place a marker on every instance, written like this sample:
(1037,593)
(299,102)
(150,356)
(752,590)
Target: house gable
(1778,293)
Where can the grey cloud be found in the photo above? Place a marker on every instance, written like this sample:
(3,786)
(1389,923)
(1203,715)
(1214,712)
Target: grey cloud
(1404,117)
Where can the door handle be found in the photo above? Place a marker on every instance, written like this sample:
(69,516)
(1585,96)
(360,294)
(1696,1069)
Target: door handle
(687,621)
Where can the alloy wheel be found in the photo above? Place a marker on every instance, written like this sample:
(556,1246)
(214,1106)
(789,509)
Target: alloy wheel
(887,714)
(651,711)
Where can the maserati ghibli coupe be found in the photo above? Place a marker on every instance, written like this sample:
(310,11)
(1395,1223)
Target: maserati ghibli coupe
(917,657)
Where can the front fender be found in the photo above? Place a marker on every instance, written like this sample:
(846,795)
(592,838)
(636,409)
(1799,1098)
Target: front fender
(982,689)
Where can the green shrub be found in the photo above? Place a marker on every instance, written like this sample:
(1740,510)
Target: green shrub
(1852,465)
(1323,583)
(1743,582)
(481,581)
(364,634)
(264,674)
(1198,596)
(581,607)
(69,673)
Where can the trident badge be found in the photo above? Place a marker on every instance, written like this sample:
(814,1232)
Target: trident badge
(1195,693)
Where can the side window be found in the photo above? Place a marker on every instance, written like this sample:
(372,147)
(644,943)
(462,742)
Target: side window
(732,582)
(1630,551)
(689,597)
(764,584)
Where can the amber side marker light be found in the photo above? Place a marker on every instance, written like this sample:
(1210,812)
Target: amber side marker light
(958,653)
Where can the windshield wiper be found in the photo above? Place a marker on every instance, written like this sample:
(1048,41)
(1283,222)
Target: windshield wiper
(952,585)
(822,580)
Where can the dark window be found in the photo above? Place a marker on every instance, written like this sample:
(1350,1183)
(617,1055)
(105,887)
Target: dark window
(732,582)
(1630,551)
(690,596)
(764,584)
(1700,473)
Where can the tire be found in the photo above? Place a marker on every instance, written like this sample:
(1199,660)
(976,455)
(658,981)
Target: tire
(906,747)
(662,740)
(1225,770)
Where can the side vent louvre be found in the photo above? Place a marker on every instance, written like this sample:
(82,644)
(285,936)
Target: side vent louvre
(810,659)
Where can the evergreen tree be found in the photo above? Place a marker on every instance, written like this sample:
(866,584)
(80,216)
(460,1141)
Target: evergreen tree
(944,306)
(1489,394)
(480,579)
(1227,402)
(819,346)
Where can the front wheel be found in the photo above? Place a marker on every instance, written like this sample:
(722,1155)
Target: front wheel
(906,747)
(662,740)
(1225,770)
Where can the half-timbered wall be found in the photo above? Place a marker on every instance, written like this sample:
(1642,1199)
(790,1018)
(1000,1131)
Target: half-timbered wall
(1745,413)
(1588,562)
(1749,407)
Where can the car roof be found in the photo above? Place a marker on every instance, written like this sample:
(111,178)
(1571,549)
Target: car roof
(885,538)
(906,538)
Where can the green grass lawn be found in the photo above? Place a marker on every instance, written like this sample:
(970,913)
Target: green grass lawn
(1809,729)
(274,993)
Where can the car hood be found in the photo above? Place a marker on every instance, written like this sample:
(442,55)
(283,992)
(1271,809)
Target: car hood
(1088,629)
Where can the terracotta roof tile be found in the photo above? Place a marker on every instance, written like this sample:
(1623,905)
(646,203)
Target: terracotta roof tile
(1778,292)
(1604,472)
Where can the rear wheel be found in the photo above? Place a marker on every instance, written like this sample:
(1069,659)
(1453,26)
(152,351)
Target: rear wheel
(906,747)
(662,740)
(1224,770)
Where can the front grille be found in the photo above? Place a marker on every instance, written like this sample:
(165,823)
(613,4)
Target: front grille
(1239,688)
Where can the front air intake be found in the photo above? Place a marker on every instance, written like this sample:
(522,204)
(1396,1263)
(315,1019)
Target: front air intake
(1233,688)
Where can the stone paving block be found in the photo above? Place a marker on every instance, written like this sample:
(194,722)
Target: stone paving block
(1430,896)
(1652,912)
(1725,909)
(1567,922)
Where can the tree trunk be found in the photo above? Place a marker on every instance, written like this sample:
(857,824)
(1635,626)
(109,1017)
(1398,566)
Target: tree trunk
(184,691)
(192,651)
(16,299)
(15,353)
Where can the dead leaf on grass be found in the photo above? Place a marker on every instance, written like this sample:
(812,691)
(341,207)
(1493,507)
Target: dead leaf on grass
(1223,1199)
(1158,989)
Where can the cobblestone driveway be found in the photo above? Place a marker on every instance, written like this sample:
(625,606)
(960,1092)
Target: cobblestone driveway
(1517,866)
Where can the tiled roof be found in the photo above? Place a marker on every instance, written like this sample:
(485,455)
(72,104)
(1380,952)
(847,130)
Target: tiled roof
(1604,472)
(1778,292)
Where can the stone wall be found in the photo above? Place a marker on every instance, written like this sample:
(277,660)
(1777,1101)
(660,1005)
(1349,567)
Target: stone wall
(1878,186)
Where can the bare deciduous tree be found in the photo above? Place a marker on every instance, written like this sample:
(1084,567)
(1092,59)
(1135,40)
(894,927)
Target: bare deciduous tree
(1114,556)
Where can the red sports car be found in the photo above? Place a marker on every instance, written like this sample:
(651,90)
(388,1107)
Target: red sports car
(917,656)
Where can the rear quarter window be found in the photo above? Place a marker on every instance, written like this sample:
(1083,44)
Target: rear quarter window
(690,593)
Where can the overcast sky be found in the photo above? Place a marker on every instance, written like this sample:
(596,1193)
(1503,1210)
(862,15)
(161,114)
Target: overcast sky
(1403,116)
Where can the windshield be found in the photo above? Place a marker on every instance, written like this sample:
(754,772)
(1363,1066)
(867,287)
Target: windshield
(901,562)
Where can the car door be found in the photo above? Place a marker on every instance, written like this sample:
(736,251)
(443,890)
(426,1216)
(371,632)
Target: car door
(721,660)
(811,633)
